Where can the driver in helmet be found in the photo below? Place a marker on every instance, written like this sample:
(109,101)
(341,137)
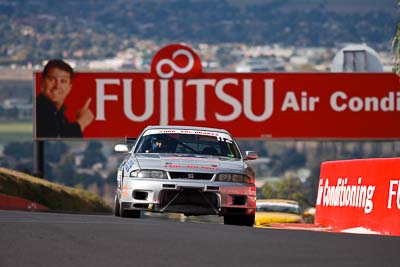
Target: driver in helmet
(156,145)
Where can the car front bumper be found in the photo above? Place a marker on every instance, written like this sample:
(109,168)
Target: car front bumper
(188,197)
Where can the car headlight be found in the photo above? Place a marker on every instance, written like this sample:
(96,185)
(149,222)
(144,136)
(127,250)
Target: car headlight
(233,177)
(156,174)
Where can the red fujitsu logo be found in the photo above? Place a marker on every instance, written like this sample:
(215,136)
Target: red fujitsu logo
(176,61)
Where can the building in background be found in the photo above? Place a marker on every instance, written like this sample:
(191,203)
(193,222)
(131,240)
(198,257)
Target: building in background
(356,58)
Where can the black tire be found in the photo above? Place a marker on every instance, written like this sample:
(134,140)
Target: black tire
(116,208)
(129,213)
(243,220)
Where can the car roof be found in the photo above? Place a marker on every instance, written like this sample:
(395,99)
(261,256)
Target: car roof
(180,127)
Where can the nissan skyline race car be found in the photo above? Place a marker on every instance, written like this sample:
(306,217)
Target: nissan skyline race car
(189,170)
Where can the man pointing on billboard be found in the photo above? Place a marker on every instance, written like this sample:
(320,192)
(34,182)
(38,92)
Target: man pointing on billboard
(50,118)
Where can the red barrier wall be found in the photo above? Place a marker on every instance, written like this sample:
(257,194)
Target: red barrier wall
(360,193)
(11,202)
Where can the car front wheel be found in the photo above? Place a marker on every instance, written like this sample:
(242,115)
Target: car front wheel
(116,208)
(129,213)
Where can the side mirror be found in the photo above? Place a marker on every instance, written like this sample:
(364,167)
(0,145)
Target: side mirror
(121,148)
(251,155)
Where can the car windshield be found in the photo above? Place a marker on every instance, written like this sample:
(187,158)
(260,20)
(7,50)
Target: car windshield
(188,143)
(271,207)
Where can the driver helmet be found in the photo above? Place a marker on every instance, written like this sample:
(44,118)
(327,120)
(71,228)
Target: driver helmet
(154,141)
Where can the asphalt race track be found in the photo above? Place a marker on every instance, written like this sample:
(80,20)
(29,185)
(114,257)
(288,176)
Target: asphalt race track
(51,239)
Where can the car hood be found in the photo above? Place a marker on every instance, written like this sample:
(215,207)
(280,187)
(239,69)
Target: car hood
(171,162)
(263,218)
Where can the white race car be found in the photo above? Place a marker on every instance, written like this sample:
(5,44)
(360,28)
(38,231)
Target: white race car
(189,170)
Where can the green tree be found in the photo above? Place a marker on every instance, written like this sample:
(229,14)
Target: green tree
(288,188)
(55,151)
(268,191)
(93,155)
(18,150)
(87,179)
(293,188)
(112,178)
(65,171)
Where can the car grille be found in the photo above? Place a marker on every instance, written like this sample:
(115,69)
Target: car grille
(191,175)
(189,201)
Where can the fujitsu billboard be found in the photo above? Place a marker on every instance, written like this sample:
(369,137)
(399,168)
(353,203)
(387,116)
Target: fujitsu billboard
(176,91)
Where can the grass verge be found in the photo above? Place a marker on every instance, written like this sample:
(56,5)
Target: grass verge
(54,196)
(15,132)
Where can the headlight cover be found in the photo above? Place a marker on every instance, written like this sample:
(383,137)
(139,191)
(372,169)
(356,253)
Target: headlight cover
(154,174)
(234,178)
